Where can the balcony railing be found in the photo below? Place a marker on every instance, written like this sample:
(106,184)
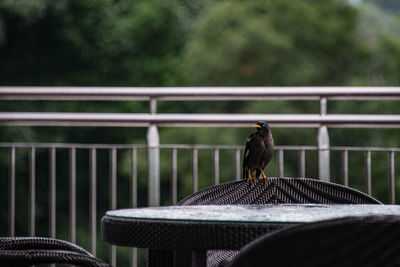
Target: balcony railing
(152,148)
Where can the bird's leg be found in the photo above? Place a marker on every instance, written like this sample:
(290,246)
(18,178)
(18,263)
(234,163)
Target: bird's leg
(250,178)
(263,175)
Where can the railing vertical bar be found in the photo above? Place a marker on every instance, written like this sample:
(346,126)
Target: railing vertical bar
(174,175)
(72,194)
(133,197)
(11,194)
(32,190)
(195,170)
(216,166)
(280,163)
(392,198)
(302,163)
(133,177)
(237,164)
(52,193)
(93,200)
(345,167)
(113,196)
(368,172)
(113,178)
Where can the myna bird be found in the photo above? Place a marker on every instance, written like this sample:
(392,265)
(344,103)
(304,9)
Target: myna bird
(258,152)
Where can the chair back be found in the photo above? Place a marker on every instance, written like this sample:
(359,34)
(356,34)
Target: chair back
(279,191)
(28,251)
(351,241)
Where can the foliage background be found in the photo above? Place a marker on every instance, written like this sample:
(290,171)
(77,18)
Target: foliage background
(191,43)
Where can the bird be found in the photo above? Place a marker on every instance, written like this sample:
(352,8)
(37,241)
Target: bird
(258,152)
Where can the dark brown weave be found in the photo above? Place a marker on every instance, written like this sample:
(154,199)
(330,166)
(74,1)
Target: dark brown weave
(27,251)
(275,191)
(180,235)
(279,191)
(355,241)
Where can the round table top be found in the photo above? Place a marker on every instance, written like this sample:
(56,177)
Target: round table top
(282,214)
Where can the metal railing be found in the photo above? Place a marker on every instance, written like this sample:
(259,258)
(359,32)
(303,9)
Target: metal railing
(152,120)
(113,149)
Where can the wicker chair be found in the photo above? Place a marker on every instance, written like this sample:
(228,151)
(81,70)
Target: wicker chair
(27,251)
(352,241)
(275,191)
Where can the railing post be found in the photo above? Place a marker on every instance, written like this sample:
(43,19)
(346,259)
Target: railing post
(237,165)
(302,163)
(153,160)
(32,191)
(113,197)
(195,170)
(280,163)
(216,166)
(11,195)
(72,195)
(368,176)
(174,176)
(392,184)
(133,197)
(52,193)
(323,146)
(345,167)
(92,200)
(133,178)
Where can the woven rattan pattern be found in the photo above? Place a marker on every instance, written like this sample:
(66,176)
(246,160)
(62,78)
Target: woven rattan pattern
(180,235)
(275,191)
(355,241)
(279,191)
(27,251)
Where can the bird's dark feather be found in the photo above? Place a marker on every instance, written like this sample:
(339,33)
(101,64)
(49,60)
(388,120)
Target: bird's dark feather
(257,153)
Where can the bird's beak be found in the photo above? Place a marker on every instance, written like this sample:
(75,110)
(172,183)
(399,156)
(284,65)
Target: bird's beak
(256,126)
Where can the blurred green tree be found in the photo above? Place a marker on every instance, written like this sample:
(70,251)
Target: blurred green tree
(378,33)
(273,43)
(97,42)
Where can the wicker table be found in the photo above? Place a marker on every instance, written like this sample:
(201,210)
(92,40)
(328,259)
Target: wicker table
(190,231)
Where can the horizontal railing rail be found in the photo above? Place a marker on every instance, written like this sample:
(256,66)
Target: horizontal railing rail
(188,146)
(202,120)
(197,93)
